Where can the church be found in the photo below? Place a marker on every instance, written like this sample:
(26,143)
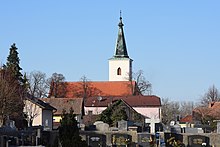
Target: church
(98,95)
(120,76)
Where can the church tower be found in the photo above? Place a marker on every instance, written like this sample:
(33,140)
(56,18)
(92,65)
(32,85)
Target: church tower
(120,65)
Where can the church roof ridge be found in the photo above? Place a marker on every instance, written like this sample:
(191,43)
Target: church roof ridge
(99,81)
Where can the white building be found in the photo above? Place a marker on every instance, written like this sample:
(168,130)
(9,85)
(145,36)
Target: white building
(39,113)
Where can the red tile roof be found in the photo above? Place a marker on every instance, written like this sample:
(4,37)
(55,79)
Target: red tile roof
(215,105)
(65,104)
(133,101)
(212,110)
(188,118)
(105,88)
(215,110)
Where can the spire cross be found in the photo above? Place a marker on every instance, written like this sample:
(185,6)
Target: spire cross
(120,23)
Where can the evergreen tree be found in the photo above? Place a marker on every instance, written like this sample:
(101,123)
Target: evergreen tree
(69,131)
(105,116)
(113,114)
(118,115)
(12,88)
(13,63)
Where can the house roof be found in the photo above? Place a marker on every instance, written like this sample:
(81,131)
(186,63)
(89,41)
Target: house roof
(188,118)
(40,103)
(212,110)
(65,104)
(105,88)
(89,119)
(133,101)
(215,105)
(215,110)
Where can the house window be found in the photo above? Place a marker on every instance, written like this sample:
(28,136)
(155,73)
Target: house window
(119,71)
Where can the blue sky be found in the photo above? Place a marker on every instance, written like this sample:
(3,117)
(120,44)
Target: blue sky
(175,43)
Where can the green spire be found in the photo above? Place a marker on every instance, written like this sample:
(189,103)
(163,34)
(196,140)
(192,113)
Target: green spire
(121,50)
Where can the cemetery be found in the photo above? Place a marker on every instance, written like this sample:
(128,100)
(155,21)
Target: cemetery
(101,134)
(123,135)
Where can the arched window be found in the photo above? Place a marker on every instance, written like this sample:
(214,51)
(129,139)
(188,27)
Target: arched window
(119,71)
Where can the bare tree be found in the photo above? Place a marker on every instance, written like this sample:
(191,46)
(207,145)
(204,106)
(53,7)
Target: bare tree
(11,103)
(85,89)
(5,92)
(57,85)
(202,114)
(143,86)
(212,95)
(186,108)
(170,110)
(173,110)
(85,86)
(38,86)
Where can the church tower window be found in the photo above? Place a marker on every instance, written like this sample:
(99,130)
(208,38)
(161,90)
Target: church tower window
(119,71)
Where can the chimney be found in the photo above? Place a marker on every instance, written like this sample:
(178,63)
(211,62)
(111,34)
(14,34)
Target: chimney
(90,112)
(211,104)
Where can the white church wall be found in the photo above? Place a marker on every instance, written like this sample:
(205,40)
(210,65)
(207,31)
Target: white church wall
(126,69)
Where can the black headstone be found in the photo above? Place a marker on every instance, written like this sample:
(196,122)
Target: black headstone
(172,139)
(145,139)
(96,140)
(121,139)
(198,141)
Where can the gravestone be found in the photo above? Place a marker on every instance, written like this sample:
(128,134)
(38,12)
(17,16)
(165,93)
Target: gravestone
(10,123)
(113,129)
(96,140)
(173,139)
(192,130)
(122,125)
(102,127)
(176,128)
(198,141)
(121,140)
(97,122)
(145,139)
(133,128)
(91,128)
(200,130)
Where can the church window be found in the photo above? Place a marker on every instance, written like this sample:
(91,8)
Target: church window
(119,71)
